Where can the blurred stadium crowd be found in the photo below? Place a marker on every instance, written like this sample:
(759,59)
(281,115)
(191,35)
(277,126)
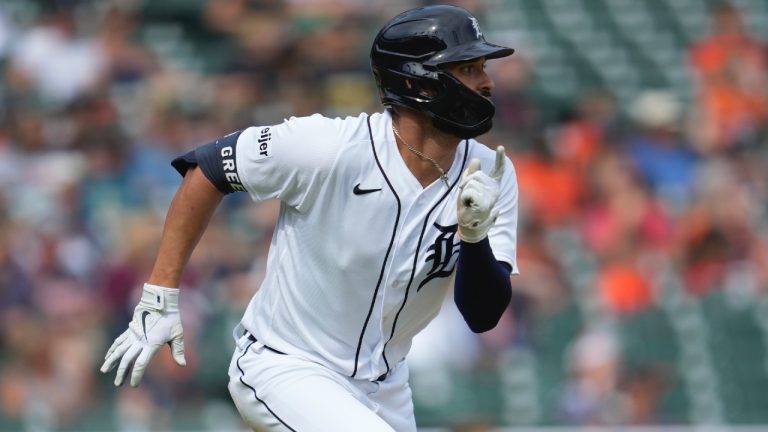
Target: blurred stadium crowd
(643,243)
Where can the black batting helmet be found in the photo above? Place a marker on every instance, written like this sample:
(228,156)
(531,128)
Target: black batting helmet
(413,46)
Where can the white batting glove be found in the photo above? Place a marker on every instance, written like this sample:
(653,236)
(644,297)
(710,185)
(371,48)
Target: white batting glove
(478,193)
(156,321)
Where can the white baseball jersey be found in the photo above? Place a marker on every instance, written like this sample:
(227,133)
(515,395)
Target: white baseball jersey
(362,255)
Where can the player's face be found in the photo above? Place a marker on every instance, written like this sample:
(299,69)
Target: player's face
(473,75)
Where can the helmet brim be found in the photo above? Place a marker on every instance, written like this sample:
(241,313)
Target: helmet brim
(470,51)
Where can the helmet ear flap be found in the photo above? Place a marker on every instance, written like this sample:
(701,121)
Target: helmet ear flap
(405,89)
(426,90)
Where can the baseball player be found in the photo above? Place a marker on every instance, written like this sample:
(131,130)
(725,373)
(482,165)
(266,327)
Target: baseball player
(381,215)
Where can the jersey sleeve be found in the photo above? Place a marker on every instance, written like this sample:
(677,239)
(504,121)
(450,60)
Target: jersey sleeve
(290,161)
(503,234)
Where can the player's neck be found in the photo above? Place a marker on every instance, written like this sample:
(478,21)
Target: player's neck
(416,131)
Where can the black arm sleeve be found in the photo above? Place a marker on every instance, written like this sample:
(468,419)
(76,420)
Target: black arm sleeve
(218,162)
(482,290)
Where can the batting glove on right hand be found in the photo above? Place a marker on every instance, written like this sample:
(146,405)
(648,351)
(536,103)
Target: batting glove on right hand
(156,321)
(478,193)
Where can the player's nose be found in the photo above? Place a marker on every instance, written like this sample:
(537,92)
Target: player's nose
(486,85)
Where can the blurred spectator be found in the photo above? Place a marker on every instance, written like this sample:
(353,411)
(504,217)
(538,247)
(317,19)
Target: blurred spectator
(53,61)
(553,174)
(7,33)
(590,396)
(594,125)
(15,284)
(37,178)
(658,151)
(643,389)
(731,75)
(125,60)
(517,120)
(37,385)
(718,240)
(623,216)
(624,289)
(551,188)
(623,225)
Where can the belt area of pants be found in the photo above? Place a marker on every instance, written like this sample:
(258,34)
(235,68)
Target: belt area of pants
(252,338)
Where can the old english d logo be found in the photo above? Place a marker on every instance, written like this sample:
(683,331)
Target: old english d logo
(442,253)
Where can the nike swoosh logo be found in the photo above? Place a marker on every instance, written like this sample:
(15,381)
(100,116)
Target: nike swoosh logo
(144,323)
(358,191)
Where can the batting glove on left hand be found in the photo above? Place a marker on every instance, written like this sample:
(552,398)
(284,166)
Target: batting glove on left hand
(478,193)
(156,321)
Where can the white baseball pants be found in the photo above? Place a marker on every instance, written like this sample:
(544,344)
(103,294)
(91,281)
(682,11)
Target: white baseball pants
(281,392)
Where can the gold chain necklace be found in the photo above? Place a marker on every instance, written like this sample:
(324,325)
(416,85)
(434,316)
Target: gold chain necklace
(443,175)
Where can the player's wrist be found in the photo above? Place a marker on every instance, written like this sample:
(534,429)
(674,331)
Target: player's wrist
(473,235)
(159,298)
(473,238)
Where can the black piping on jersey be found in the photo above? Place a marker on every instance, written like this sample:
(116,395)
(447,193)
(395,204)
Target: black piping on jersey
(386,256)
(416,255)
(242,375)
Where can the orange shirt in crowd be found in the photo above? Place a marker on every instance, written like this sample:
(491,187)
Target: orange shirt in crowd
(732,85)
